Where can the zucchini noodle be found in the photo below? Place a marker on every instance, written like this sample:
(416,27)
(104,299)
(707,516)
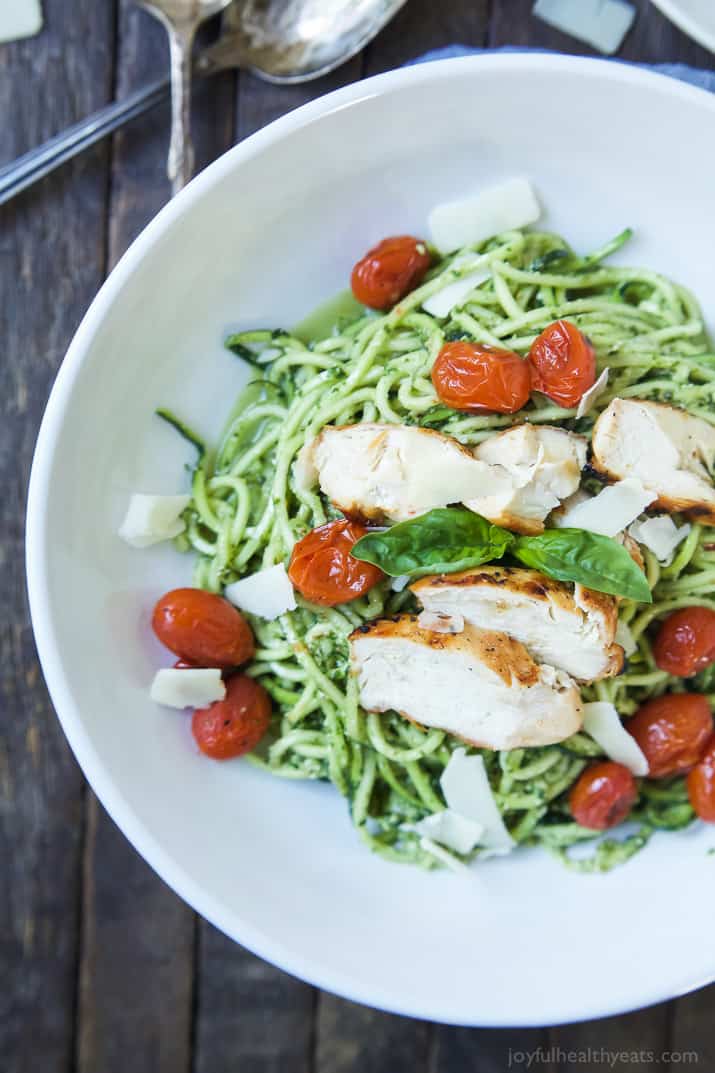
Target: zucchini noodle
(247,512)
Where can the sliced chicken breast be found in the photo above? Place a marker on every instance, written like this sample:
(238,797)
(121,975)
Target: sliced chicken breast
(479,685)
(569,627)
(388,473)
(669,450)
(544,466)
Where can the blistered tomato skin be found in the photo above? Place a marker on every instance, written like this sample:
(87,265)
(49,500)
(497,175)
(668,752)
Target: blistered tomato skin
(202,629)
(701,784)
(685,642)
(323,570)
(389,271)
(672,732)
(603,796)
(563,362)
(478,378)
(235,725)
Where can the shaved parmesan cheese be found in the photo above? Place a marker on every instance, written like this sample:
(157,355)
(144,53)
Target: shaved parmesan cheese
(660,535)
(440,622)
(267,593)
(442,855)
(603,723)
(472,220)
(467,791)
(19,18)
(600,23)
(611,510)
(588,399)
(188,688)
(451,830)
(453,295)
(151,519)
(625,638)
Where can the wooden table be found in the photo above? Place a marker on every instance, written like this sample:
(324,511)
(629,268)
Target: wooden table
(102,968)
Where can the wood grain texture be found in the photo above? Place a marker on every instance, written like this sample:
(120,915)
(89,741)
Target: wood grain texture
(136,973)
(484,1050)
(356,1039)
(51,264)
(633,1041)
(250,1017)
(422,25)
(691,1038)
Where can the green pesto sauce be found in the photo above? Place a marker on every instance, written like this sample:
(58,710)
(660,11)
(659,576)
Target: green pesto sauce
(329,317)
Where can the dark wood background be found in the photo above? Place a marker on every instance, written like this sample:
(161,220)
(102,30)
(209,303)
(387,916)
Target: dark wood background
(102,968)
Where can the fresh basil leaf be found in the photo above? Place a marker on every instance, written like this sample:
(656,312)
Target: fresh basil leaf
(440,542)
(589,559)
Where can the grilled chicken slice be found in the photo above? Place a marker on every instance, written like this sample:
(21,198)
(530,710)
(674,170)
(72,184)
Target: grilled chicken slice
(544,466)
(569,627)
(669,450)
(388,473)
(479,685)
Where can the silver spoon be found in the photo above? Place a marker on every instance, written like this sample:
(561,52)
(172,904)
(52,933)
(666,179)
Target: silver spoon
(181,19)
(282,41)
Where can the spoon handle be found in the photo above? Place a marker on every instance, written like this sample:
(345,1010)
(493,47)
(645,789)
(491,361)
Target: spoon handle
(180,166)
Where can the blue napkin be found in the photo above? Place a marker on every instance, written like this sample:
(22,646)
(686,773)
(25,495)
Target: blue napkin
(694,75)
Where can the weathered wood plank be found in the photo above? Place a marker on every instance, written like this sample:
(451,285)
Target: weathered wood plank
(691,1039)
(422,25)
(250,1017)
(633,1041)
(137,972)
(356,1039)
(483,1050)
(260,102)
(51,261)
(136,978)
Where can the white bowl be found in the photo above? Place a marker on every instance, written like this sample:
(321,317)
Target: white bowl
(261,237)
(694,17)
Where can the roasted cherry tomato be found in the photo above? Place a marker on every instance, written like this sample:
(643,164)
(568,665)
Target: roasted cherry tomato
(685,642)
(202,629)
(235,725)
(603,796)
(389,271)
(701,784)
(322,568)
(474,377)
(564,363)
(672,731)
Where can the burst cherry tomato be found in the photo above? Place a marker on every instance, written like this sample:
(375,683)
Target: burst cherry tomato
(323,570)
(389,271)
(603,796)
(474,377)
(202,629)
(685,643)
(672,731)
(235,725)
(701,784)
(564,363)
